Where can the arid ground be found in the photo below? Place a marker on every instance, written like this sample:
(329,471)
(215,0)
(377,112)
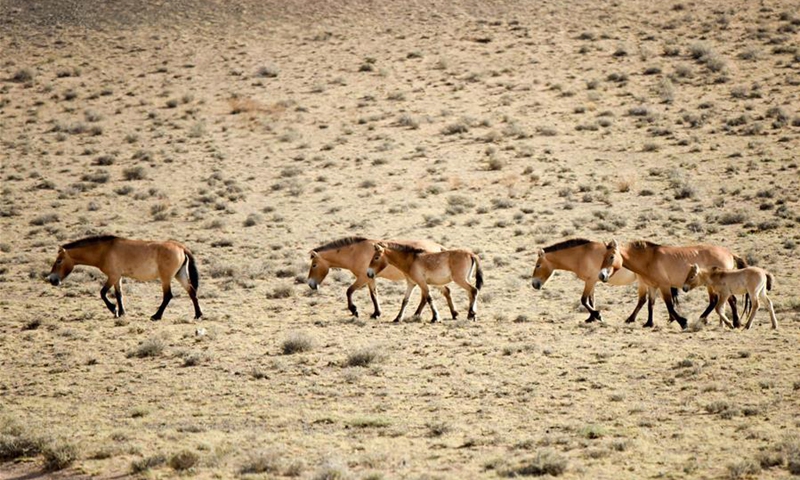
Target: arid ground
(255,131)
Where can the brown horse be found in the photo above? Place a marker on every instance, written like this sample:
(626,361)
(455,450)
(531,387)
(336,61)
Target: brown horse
(583,258)
(666,267)
(753,281)
(423,268)
(141,260)
(354,254)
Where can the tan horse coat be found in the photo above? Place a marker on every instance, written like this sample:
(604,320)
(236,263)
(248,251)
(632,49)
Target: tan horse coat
(426,268)
(753,281)
(354,254)
(666,267)
(137,259)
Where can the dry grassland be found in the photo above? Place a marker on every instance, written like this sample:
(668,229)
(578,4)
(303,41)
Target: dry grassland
(253,132)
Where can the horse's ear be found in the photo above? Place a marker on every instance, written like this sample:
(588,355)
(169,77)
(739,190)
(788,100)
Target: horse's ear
(313,254)
(60,249)
(612,244)
(694,268)
(540,252)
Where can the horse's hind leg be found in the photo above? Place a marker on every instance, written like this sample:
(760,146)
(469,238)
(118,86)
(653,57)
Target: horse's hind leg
(118,295)
(446,292)
(183,278)
(771,310)
(651,301)
(103,294)
(473,296)
(167,289)
(426,294)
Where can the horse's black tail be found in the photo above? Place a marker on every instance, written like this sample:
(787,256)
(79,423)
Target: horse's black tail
(770,281)
(478,273)
(194,275)
(674,291)
(748,304)
(740,262)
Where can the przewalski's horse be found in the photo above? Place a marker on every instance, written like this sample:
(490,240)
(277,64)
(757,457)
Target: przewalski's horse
(355,254)
(584,258)
(666,267)
(141,260)
(423,268)
(753,281)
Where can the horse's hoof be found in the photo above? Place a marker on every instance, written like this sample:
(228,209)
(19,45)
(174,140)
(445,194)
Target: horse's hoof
(155,319)
(435,320)
(455,316)
(589,320)
(630,320)
(471,316)
(648,325)
(396,320)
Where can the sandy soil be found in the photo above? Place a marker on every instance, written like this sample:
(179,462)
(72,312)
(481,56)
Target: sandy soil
(254,132)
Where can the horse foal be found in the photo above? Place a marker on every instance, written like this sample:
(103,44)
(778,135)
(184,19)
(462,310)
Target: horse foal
(426,268)
(141,260)
(754,281)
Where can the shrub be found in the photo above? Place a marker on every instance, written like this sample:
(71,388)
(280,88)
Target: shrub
(269,71)
(24,75)
(296,343)
(545,462)
(145,464)
(133,173)
(363,357)
(262,462)
(152,347)
(58,456)
(183,460)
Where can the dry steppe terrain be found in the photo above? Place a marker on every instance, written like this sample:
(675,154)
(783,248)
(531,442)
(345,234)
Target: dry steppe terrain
(255,131)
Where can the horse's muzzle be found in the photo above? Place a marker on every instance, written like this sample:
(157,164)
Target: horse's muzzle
(54,280)
(313,284)
(604,275)
(370,273)
(537,284)
(686,288)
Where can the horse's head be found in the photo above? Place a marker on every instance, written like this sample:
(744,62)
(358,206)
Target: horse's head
(61,268)
(378,261)
(612,261)
(693,278)
(542,271)
(318,271)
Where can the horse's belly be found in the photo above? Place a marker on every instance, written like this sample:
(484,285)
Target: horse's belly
(438,278)
(143,273)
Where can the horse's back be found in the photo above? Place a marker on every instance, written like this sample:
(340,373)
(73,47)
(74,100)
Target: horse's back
(146,260)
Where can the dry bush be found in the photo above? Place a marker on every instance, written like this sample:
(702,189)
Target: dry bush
(296,343)
(147,463)
(59,455)
(545,462)
(184,460)
(152,347)
(364,357)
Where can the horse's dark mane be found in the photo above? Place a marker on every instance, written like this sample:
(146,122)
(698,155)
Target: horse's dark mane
(85,242)
(642,244)
(573,242)
(342,242)
(403,248)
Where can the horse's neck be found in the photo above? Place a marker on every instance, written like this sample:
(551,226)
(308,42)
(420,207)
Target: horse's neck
(560,263)
(395,259)
(338,259)
(87,255)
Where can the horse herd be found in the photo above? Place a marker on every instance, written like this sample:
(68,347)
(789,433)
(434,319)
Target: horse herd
(655,268)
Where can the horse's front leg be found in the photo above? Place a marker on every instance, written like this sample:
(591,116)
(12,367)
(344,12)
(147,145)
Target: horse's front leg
(642,293)
(373,294)
(666,293)
(167,289)
(103,291)
(732,303)
(426,295)
(713,299)
(360,282)
(588,291)
(409,288)
(651,301)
